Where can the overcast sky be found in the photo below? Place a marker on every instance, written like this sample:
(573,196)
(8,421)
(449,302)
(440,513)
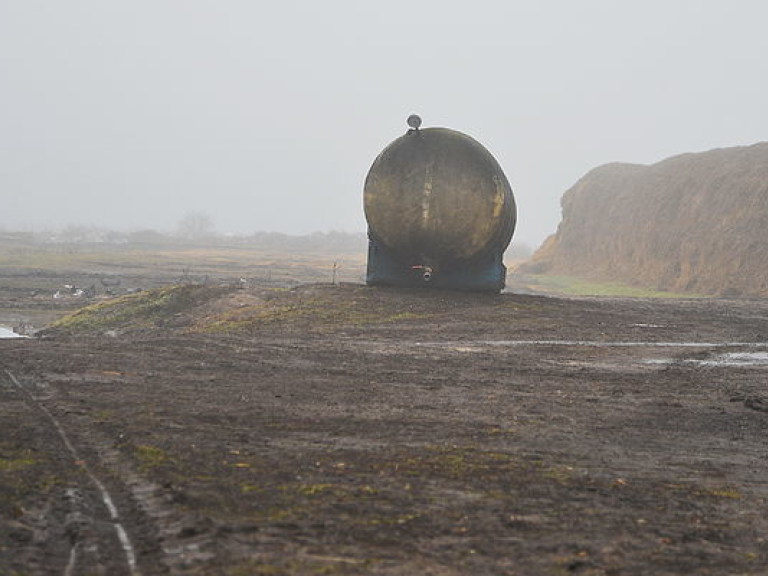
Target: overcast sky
(267,115)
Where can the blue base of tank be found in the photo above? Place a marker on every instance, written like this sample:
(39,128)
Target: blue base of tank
(486,274)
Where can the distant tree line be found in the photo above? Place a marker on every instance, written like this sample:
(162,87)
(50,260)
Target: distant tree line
(192,233)
(196,229)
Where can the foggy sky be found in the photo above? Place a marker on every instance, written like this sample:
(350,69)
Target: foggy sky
(267,115)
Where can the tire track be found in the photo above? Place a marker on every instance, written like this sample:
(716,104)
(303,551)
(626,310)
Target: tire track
(106,497)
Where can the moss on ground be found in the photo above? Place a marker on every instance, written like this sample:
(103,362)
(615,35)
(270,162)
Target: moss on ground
(161,307)
(313,313)
(574,286)
(142,310)
(24,474)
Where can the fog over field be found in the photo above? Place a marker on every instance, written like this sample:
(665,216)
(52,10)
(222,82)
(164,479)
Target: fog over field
(267,115)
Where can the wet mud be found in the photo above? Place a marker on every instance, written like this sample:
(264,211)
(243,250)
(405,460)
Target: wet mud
(441,434)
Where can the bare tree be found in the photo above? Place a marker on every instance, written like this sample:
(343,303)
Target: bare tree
(195,225)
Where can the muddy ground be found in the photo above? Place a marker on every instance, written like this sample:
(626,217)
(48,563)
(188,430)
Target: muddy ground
(353,430)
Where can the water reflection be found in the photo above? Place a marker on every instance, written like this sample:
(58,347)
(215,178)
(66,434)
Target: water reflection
(6,332)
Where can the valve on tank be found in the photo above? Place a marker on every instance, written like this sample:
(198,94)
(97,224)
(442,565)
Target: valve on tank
(426,272)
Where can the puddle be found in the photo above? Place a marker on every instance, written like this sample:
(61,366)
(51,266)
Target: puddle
(736,359)
(471,345)
(730,359)
(6,332)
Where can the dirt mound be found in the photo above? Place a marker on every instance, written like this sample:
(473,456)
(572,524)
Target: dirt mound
(313,308)
(172,306)
(694,223)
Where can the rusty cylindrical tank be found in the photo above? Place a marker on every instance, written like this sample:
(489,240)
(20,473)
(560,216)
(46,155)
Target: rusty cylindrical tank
(440,212)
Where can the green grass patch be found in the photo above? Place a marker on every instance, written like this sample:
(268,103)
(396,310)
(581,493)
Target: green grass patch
(150,457)
(458,463)
(24,474)
(16,462)
(574,286)
(141,310)
(727,493)
(311,565)
(310,313)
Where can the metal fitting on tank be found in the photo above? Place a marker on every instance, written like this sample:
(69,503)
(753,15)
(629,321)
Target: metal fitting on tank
(426,273)
(414,121)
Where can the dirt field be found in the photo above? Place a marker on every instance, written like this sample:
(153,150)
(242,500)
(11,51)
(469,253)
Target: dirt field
(350,430)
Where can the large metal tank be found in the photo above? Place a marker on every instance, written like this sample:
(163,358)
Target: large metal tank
(440,212)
